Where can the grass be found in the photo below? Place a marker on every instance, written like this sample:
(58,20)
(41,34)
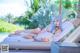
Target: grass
(8,27)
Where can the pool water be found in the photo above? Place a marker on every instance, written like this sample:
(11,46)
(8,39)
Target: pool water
(3,36)
(3,33)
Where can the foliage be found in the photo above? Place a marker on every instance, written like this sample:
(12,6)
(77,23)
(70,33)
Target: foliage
(42,3)
(35,5)
(9,18)
(65,3)
(33,24)
(42,17)
(25,19)
(22,21)
(39,15)
(8,27)
(28,14)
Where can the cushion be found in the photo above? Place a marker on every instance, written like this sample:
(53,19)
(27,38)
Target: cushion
(45,36)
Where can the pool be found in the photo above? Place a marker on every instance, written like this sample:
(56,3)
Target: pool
(3,35)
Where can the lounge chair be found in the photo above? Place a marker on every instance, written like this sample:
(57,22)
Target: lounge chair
(74,37)
(70,45)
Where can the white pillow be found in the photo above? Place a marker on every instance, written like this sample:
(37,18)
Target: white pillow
(44,35)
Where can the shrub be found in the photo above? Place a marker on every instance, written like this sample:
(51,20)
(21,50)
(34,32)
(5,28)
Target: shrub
(8,27)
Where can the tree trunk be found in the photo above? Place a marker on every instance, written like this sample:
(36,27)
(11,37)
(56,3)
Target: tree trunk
(60,14)
(78,9)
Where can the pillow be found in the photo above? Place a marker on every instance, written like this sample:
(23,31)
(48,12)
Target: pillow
(44,37)
(29,36)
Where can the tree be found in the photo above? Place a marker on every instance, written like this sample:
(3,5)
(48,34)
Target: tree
(67,4)
(35,5)
(22,21)
(42,3)
(25,19)
(78,10)
(9,17)
(28,14)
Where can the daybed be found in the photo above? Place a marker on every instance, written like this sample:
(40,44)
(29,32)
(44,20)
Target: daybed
(17,42)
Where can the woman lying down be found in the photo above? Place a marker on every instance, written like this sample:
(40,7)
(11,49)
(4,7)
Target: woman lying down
(45,35)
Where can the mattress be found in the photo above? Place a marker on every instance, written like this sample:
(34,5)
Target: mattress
(28,45)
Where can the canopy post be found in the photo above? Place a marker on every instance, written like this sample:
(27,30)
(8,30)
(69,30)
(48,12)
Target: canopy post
(60,15)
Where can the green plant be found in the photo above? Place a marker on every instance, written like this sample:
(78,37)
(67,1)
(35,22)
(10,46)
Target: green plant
(8,27)
(9,18)
(35,5)
(67,4)
(25,19)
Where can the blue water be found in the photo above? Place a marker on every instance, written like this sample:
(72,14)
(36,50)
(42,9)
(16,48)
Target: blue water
(4,33)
